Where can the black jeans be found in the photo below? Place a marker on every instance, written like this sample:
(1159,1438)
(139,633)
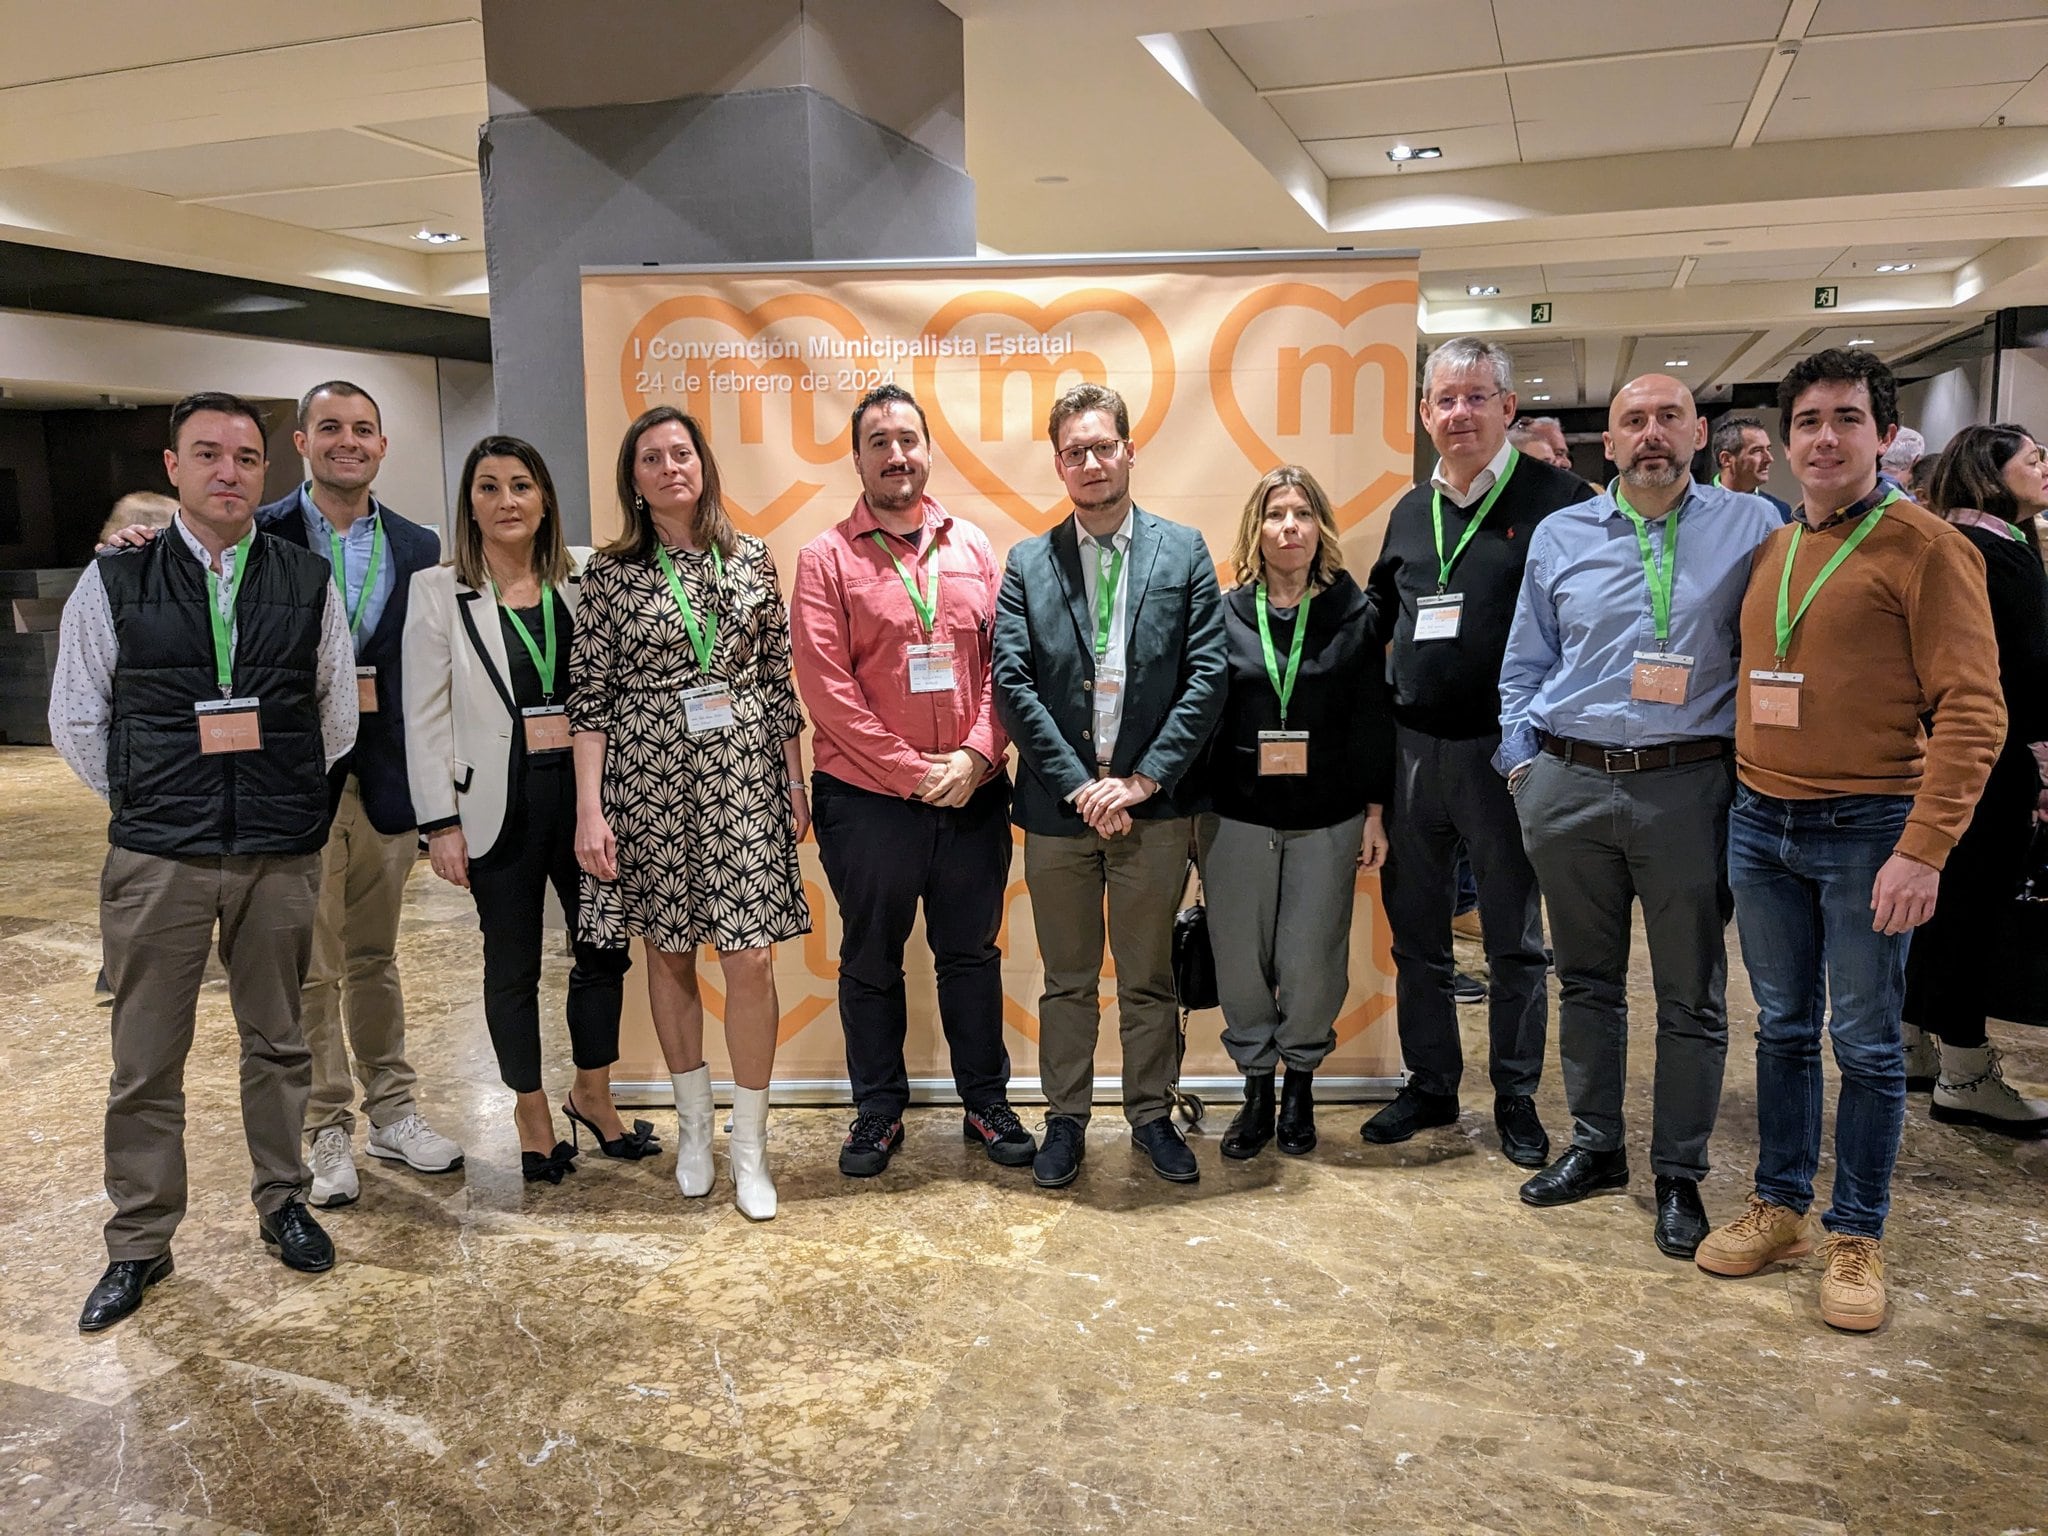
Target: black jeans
(536,848)
(882,855)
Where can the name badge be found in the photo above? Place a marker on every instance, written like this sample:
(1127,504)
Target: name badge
(1436,618)
(229,725)
(931,668)
(707,708)
(1774,698)
(1283,752)
(547,728)
(1660,677)
(1109,690)
(366,690)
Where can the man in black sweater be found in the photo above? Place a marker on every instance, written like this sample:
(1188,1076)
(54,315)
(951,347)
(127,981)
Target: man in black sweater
(1443,594)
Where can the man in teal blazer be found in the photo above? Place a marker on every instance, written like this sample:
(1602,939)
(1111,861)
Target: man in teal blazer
(1109,674)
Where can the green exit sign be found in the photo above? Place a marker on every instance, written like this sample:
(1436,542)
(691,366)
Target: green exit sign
(1824,298)
(1539,314)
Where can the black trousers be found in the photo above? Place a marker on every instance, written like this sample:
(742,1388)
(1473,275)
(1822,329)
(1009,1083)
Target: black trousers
(882,856)
(538,848)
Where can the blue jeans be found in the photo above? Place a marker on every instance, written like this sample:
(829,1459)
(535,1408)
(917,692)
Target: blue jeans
(1802,871)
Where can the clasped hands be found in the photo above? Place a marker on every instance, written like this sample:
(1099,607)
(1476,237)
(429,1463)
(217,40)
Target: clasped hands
(1105,804)
(952,779)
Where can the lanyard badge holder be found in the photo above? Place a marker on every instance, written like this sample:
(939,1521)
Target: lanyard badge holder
(1438,617)
(708,706)
(228,724)
(366,677)
(1283,752)
(546,725)
(1661,676)
(1774,694)
(1109,681)
(931,664)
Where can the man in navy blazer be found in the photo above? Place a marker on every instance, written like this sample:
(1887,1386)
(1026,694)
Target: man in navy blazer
(1109,674)
(372,553)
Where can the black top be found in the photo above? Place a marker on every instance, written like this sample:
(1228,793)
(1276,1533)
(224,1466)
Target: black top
(1451,688)
(2018,588)
(1340,699)
(525,677)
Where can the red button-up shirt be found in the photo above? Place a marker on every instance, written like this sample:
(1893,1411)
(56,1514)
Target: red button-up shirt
(851,627)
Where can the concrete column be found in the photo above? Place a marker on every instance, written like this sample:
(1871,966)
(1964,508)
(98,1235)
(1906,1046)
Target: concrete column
(660,131)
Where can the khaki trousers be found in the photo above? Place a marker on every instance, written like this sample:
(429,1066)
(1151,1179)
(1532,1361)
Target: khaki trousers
(354,974)
(157,920)
(1143,873)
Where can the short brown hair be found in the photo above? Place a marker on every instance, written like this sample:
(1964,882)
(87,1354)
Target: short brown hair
(226,404)
(711,526)
(550,552)
(1088,397)
(1248,560)
(341,389)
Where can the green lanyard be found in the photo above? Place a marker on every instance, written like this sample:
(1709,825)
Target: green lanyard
(543,660)
(223,635)
(334,544)
(1661,575)
(1283,686)
(1787,619)
(1107,578)
(1436,513)
(927,606)
(702,641)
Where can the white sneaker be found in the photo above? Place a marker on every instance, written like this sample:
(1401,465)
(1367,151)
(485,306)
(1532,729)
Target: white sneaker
(1923,1059)
(416,1144)
(1973,1091)
(334,1170)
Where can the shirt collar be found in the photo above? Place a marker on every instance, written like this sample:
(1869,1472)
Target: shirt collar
(864,521)
(1684,503)
(316,520)
(1121,538)
(1481,482)
(199,551)
(1878,492)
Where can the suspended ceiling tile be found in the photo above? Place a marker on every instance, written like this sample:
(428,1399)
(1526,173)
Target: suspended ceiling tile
(1401,109)
(1837,16)
(1593,137)
(451,135)
(1450,287)
(1363,44)
(453,201)
(1842,117)
(1464,148)
(1938,256)
(258,165)
(1606,89)
(1559,29)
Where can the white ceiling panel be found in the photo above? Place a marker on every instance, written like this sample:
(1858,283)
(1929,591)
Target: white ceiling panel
(1448,287)
(1585,138)
(1693,357)
(1762,266)
(401,235)
(1562,29)
(451,135)
(1835,16)
(1936,256)
(1561,279)
(1610,90)
(1879,338)
(1849,116)
(1406,109)
(1463,149)
(1931,61)
(258,165)
(1363,44)
(2026,109)
(452,201)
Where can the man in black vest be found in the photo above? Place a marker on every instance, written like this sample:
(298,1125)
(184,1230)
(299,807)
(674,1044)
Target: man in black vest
(1443,594)
(204,685)
(371,554)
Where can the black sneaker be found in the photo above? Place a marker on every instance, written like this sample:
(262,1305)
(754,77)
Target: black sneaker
(870,1142)
(1001,1134)
(300,1242)
(1058,1162)
(1467,989)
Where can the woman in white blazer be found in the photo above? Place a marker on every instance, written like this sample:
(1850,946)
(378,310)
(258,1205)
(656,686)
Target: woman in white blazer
(487,641)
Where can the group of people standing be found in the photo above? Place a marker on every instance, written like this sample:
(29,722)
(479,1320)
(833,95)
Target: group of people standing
(280,703)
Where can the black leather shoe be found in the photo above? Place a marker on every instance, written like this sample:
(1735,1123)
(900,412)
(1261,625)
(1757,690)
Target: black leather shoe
(1412,1111)
(1253,1126)
(120,1289)
(1522,1137)
(1172,1158)
(1681,1218)
(1578,1175)
(299,1240)
(1297,1126)
(1060,1153)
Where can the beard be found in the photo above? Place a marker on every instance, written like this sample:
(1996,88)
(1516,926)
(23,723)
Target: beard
(895,492)
(1655,477)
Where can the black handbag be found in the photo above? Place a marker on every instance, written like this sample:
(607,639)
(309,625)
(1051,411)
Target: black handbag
(2016,962)
(1194,962)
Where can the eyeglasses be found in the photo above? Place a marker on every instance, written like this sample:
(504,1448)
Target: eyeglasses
(1106,452)
(1443,405)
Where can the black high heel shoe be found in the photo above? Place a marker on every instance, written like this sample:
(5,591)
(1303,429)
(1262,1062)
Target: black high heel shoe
(550,1166)
(637,1143)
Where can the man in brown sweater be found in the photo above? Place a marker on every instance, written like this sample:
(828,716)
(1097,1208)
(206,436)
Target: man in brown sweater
(1864,617)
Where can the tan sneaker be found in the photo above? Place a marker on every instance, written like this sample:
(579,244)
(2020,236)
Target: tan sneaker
(1761,1235)
(1852,1289)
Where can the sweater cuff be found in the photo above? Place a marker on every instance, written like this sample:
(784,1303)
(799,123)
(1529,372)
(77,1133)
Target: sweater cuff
(1924,844)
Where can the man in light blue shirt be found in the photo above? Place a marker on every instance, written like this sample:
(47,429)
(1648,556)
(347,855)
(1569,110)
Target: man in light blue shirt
(1617,736)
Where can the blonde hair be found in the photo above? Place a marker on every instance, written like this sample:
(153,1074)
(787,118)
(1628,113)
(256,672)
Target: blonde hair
(1248,560)
(139,507)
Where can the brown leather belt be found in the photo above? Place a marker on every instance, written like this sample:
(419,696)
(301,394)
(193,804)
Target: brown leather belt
(1634,759)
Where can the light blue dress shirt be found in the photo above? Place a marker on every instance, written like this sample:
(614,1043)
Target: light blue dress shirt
(355,561)
(1584,612)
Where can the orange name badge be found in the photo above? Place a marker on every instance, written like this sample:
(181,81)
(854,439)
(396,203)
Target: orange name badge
(230,725)
(1660,677)
(1283,752)
(547,728)
(366,690)
(1774,698)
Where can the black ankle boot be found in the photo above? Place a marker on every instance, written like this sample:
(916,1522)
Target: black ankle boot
(1298,1113)
(1253,1127)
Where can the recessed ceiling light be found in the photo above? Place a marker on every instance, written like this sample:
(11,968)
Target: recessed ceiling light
(437,237)
(1401,152)
(1051,181)
(1720,242)
(1860,341)
(1532,381)
(1482,290)
(1677,362)
(1539,397)
(1895,266)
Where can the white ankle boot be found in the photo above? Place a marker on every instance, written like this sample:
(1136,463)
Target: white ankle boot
(693,1130)
(752,1190)
(1923,1059)
(1973,1091)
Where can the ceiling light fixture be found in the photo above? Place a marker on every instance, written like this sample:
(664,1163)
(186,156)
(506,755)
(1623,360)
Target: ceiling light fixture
(1860,341)
(1532,381)
(1539,397)
(1895,266)
(1482,290)
(1403,152)
(1677,362)
(437,237)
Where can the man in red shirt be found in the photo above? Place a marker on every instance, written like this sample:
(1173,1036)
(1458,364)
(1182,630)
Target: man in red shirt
(891,625)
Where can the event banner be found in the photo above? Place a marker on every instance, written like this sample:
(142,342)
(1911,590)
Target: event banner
(1230,366)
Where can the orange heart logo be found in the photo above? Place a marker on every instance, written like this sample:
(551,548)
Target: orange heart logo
(1289,371)
(749,323)
(1045,374)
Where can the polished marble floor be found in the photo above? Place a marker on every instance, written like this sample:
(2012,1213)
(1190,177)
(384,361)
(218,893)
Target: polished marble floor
(1363,1339)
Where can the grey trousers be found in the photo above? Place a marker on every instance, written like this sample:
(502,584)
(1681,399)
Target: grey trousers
(157,920)
(1600,842)
(1143,873)
(1446,792)
(1280,927)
